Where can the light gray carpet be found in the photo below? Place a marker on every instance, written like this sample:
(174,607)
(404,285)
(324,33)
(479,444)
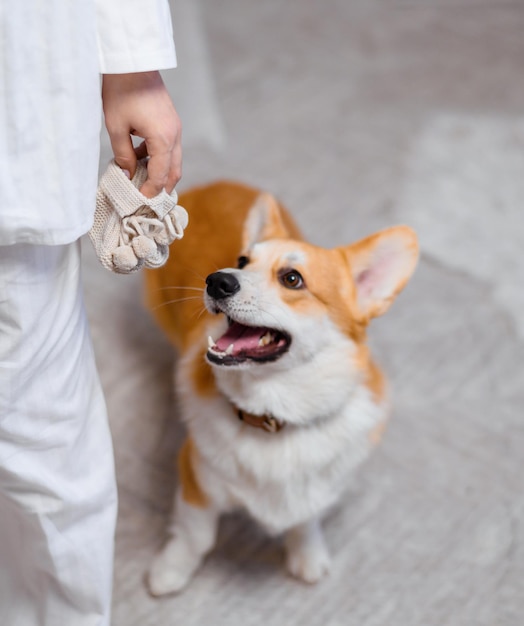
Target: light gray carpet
(358,115)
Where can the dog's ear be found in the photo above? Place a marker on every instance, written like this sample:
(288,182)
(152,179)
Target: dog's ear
(264,221)
(381,265)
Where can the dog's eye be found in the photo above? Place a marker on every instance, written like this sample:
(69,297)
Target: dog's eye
(291,279)
(242,261)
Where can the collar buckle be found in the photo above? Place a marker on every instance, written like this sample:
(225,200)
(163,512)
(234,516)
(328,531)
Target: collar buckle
(265,422)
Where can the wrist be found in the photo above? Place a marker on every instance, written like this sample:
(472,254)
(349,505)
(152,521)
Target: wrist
(132,80)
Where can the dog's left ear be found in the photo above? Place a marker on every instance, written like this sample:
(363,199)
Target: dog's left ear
(264,221)
(381,266)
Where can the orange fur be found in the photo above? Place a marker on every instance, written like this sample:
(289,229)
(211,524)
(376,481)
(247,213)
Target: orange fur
(326,390)
(359,255)
(174,292)
(202,376)
(375,436)
(374,379)
(192,492)
(331,277)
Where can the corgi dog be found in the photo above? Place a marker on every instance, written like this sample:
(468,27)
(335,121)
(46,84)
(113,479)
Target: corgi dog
(275,382)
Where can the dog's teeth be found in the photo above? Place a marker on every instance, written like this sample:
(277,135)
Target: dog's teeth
(230,348)
(210,342)
(265,339)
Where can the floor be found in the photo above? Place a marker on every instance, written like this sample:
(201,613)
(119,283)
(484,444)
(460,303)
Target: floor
(357,114)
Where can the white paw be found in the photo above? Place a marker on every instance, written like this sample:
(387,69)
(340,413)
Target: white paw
(309,564)
(172,569)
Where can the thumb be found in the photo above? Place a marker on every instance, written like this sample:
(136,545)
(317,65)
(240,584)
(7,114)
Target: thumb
(124,151)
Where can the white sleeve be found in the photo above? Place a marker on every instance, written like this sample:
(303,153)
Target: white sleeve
(134,36)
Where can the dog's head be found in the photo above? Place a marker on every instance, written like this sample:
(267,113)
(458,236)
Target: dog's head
(288,301)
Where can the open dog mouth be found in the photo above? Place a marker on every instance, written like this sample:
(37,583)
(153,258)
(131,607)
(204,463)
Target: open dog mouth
(242,343)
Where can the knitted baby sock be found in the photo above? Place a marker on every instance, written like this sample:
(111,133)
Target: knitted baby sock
(131,231)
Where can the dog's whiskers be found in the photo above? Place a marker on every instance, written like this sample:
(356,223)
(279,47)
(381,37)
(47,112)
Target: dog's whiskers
(200,289)
(177,301)
(269,314)
(204,310)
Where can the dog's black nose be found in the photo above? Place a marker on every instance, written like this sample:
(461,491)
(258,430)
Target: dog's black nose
(221,285)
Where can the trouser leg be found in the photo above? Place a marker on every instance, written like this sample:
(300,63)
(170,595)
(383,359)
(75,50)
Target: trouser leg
(57,485)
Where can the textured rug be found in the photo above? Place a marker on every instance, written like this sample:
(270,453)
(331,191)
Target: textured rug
(358,115)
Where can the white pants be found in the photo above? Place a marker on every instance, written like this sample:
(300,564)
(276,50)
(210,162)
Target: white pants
(57,484)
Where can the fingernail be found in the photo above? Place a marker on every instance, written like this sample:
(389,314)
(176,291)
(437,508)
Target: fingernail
(127,173)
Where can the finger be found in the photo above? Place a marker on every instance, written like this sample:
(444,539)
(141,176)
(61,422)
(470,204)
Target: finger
(164,168)
(159,179)
(141,151)
(123,149)
(157,174)
(175,171)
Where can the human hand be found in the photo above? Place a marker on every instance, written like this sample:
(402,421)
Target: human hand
(139,104)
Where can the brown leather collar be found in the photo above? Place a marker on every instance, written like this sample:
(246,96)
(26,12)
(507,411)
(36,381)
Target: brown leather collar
(266,422)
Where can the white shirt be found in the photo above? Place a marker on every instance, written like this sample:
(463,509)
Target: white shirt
(52,53)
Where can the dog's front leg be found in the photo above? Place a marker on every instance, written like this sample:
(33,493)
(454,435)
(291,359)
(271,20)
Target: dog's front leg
(193,534)
(307,555)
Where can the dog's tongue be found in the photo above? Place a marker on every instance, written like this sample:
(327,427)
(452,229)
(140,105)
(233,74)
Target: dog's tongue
(244,338)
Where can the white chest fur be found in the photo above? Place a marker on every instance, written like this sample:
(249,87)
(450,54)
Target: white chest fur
(284,478)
